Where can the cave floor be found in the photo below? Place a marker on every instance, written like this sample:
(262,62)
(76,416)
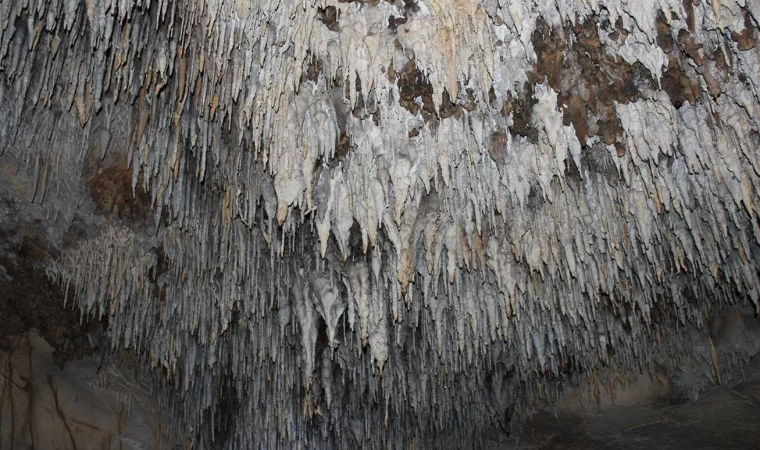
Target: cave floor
(722,418)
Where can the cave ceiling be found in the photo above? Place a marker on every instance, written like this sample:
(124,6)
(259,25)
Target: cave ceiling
(383,224)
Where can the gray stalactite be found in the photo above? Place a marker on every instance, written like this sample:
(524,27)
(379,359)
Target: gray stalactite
(360,268)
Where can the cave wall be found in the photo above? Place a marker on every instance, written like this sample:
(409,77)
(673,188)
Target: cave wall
(61,386)
(77,407)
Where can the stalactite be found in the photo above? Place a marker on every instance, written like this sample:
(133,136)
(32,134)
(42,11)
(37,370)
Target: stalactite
(476,227)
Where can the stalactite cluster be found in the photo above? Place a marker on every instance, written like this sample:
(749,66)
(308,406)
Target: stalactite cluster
(384,224)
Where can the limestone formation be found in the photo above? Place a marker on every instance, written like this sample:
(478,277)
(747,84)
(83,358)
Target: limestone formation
(386,224)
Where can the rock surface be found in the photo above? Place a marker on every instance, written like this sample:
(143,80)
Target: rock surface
(77,407)
(724,417)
